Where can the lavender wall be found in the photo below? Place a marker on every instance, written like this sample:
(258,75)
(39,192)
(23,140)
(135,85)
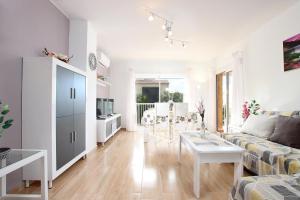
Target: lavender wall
(26,27)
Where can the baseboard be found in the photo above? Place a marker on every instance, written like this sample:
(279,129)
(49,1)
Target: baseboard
(91,149)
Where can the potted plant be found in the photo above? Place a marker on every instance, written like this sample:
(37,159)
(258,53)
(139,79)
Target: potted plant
(4,125)
(250,108)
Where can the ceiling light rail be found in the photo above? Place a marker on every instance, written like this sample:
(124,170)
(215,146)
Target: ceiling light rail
(168,27)
(183,43)
(153,15)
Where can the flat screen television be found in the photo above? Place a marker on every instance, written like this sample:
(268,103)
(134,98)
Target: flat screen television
(105,107)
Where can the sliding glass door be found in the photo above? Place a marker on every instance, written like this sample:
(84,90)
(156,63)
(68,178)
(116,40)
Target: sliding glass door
(224,100)
(157,90)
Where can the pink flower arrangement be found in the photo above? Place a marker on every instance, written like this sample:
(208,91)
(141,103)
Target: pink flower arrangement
(246,111)
(251,108)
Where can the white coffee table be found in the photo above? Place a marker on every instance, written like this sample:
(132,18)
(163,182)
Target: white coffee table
(210,148)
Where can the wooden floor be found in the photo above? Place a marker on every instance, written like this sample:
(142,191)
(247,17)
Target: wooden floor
(126,168)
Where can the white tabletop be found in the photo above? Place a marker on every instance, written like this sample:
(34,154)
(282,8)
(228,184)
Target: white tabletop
(208,143)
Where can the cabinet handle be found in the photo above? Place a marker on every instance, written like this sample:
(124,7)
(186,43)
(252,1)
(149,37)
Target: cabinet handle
(75,136)
(72,137)
(74,93)
(71,91)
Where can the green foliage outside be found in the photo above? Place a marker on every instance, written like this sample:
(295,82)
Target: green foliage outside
(176,96)
(141,98)
(164,97)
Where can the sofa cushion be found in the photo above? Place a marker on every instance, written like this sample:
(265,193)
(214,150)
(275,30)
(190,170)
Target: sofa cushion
(267,187)
(287,131)
(259,125)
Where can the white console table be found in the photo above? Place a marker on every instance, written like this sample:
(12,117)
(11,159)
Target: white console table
(106,128)
(17,159)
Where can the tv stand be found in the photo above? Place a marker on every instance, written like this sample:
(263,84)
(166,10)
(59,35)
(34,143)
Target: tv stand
(108,127)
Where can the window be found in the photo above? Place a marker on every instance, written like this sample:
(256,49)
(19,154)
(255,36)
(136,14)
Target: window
(159,90)
(173,91)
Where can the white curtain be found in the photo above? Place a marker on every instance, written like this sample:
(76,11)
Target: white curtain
(131,118)
(238,85)
(210,100)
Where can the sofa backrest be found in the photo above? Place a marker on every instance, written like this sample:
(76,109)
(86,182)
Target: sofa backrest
(284,113)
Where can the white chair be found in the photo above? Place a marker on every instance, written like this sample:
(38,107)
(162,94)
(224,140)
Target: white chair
(162,117)
(162,109)
(180,116)
(148,121)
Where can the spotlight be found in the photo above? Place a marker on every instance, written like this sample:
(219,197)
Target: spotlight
(169,30)
(167,38)
(151,17)
(171,43)
(165,25)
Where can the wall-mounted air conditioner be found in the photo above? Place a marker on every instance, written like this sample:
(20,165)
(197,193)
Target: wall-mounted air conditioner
(103,60)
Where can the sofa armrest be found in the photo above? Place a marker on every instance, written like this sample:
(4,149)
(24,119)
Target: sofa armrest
(290,164)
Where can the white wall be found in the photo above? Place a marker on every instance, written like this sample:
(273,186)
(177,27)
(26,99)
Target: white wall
(83,40)
(78,42)
(265,78)
(195,73)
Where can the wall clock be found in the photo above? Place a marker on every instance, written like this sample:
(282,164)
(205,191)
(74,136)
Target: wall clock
(92,61)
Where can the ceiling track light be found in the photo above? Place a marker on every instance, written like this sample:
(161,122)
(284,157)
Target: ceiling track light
(169,31)
(151,17)
(167,38)
(168,27)
(171,42)
(164,26)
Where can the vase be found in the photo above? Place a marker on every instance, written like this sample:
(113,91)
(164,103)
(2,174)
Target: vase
(203,127)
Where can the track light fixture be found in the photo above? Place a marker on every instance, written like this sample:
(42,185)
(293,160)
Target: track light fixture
(151,17)
(169,30)
(171,42)
(167,38)
(166,26)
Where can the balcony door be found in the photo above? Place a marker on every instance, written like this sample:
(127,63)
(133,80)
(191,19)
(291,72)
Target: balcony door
(224,100)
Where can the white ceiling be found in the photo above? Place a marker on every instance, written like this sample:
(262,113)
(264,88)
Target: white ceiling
(211,26)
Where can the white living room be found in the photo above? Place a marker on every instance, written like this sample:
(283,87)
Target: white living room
(140,99)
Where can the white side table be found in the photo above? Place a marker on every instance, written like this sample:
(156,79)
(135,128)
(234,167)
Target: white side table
(17,159)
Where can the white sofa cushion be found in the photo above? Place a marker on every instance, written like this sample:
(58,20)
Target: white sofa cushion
(259,125)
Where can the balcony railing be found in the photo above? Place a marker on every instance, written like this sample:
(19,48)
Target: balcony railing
(140,108)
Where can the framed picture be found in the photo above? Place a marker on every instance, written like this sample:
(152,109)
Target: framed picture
(291,52)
